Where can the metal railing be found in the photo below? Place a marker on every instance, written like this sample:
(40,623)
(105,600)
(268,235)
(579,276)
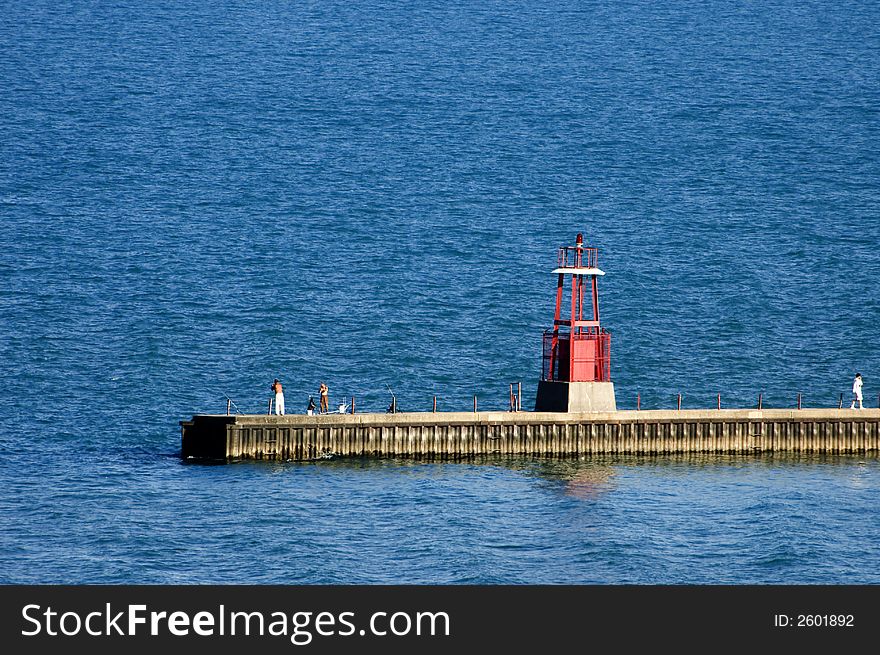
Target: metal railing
(574,257)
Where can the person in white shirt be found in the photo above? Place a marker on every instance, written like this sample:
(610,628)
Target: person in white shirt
(279,397)
(857,392)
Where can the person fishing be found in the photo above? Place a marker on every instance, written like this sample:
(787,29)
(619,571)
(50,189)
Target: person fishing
(325,398)
(311,407)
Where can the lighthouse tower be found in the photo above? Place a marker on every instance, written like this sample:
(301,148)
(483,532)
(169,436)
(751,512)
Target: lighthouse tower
(576,375)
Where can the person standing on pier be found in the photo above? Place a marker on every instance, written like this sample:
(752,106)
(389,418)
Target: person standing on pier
(325,401)
(857,392)
(279,397)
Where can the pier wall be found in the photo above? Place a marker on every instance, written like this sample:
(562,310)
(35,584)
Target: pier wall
(543,434)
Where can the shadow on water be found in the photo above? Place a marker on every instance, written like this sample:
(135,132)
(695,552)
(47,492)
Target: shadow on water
(584,478)
(555,464)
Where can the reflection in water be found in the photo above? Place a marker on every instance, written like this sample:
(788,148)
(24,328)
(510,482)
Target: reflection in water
(591,477)
(589,483)
(586,480)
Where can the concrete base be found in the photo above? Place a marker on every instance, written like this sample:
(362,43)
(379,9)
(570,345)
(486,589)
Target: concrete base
(575,397)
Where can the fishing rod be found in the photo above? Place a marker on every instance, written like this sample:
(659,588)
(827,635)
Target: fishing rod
(392,409)
(230,401)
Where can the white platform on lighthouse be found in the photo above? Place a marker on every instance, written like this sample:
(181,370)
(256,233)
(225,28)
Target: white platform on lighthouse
(578,271)
(575,397)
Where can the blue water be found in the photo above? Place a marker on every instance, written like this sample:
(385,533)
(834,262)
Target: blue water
(197,198)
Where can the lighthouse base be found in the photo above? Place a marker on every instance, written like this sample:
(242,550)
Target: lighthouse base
(575,397)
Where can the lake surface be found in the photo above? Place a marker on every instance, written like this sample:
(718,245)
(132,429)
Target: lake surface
(198,199)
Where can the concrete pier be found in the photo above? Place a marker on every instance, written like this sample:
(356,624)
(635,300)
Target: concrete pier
(542,434)
(575,397)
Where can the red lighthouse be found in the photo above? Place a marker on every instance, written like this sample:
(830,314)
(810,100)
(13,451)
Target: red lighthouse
(576,375)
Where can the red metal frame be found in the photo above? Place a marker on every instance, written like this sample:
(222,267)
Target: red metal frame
(581,352)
